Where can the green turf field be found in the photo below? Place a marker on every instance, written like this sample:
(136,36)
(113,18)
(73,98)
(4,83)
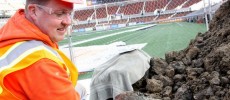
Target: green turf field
(160,39)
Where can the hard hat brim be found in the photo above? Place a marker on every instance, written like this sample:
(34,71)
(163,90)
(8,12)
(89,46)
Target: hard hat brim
(74,1)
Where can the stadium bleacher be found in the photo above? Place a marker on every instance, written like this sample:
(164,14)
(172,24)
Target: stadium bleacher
(123,12)
(131,12)
(133,8)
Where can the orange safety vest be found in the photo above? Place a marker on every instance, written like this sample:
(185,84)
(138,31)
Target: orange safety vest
(14,59)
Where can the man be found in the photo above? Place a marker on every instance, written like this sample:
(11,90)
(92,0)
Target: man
(31,66)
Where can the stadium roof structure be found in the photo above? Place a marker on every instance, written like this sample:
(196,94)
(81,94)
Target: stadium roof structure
(201,11)
(9,7)
(6,5)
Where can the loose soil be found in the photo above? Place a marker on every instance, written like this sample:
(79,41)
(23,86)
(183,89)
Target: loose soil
(199,72)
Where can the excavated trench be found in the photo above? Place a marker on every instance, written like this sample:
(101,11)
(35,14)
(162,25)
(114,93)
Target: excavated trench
(199,72)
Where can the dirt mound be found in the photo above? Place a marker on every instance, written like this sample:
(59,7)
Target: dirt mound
(199,72)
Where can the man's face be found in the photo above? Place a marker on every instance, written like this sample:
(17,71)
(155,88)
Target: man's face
(54,18)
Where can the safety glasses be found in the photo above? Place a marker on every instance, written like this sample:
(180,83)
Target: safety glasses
(59,14)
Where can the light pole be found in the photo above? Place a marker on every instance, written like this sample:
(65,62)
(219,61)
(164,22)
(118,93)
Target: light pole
(205,15)
(69,36)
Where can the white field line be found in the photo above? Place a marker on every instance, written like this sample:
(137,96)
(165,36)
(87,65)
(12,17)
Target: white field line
(100,37)
(180,24)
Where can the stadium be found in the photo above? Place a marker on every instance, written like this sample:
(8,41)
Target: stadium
(131,19)
(161,26)
(100,28)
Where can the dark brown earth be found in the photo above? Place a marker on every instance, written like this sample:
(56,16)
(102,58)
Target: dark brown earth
(199,72)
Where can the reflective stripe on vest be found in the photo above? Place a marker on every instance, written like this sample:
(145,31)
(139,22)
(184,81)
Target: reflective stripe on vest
(21,50)
(15,55)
